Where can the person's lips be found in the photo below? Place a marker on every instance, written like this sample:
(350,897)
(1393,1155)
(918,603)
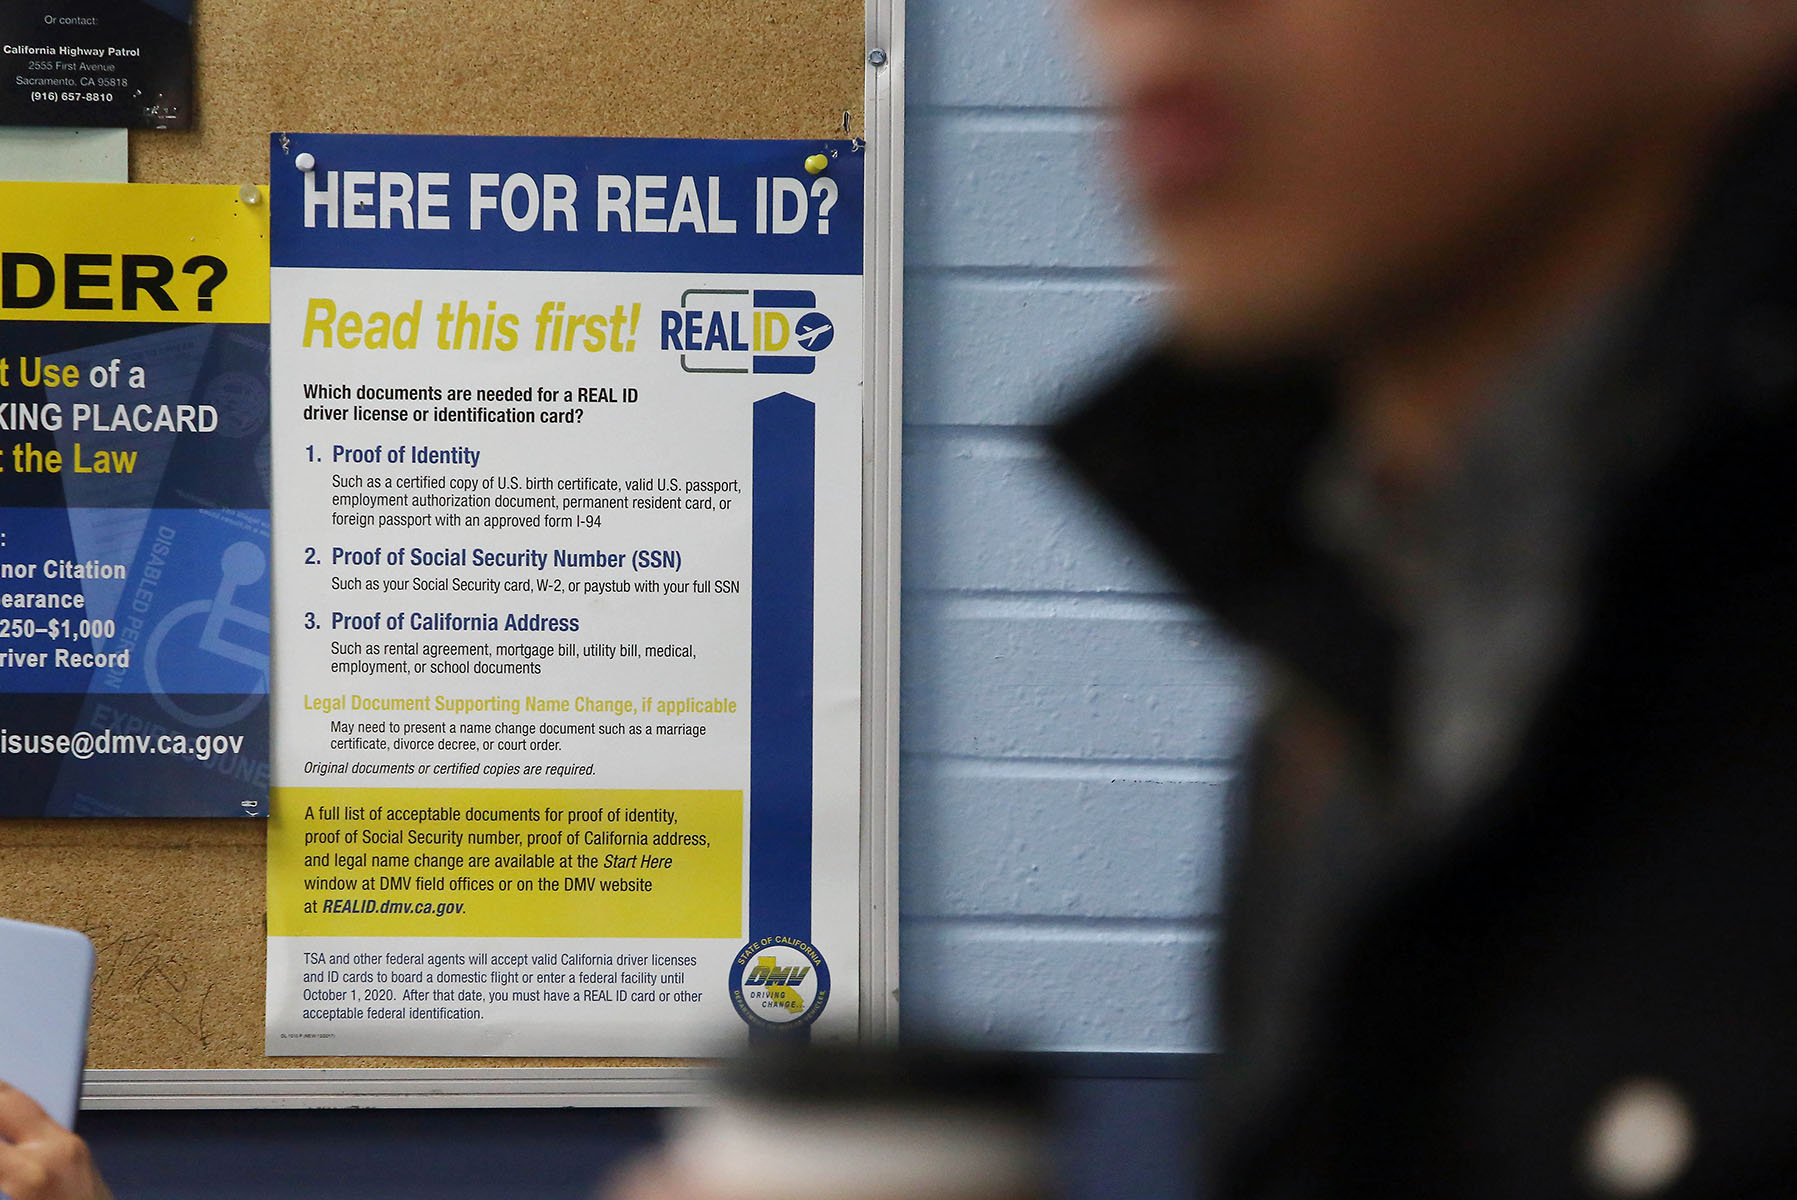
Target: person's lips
(1179,139)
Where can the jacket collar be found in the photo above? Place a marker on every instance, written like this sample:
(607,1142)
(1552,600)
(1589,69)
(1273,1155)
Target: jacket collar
(1208,466)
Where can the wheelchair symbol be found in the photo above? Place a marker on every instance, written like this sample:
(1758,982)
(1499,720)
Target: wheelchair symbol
(242,563)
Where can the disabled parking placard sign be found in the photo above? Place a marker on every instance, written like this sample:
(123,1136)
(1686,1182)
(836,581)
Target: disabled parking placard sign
(134,501)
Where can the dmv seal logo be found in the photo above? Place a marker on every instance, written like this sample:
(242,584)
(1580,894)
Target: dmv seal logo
(779,983)
(742,331)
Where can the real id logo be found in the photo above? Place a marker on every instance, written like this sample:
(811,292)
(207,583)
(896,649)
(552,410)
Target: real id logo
(742,331)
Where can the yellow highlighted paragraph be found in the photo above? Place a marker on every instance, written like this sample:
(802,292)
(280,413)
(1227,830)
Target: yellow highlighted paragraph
(488,862)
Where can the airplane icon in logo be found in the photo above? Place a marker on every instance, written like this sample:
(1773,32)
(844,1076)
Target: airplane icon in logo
(814,331)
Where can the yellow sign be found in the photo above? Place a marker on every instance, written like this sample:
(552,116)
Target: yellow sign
(133,252)
(497,862)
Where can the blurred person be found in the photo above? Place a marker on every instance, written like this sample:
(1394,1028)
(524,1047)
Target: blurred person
(39,1159)
(1478,420)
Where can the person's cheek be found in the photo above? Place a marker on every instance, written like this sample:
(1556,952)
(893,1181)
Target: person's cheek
(1134,44)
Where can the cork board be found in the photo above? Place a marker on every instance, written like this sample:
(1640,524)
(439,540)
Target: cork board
(175,907)
(625,68)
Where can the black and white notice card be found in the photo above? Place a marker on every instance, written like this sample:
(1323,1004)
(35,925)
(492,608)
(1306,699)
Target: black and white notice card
(102,63)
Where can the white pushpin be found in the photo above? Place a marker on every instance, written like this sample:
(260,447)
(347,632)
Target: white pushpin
(304,160)
(248,194)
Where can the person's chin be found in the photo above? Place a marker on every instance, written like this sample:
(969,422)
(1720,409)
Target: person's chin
(1232,309)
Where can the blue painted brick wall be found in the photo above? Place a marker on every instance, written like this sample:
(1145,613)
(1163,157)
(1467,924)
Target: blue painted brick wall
(1069,725)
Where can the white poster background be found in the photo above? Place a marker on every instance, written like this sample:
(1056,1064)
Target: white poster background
(683,426)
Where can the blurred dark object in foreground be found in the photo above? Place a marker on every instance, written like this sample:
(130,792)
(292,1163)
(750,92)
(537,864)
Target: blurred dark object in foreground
(1568,972)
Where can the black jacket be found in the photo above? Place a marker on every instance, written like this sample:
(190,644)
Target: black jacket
(1624,904)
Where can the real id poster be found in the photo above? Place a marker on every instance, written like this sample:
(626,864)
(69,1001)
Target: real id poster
(567,594)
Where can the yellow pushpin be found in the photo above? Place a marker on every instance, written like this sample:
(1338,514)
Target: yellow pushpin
(817,164)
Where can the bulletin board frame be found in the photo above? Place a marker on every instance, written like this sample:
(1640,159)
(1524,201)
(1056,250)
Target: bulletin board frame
(680,1083)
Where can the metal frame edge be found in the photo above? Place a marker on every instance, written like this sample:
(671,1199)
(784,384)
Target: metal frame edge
(427,1087)
(883,282)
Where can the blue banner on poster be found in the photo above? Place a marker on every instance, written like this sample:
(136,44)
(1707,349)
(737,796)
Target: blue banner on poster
(565,204)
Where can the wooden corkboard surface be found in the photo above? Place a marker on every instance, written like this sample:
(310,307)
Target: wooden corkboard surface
(622,68)
(175,907)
